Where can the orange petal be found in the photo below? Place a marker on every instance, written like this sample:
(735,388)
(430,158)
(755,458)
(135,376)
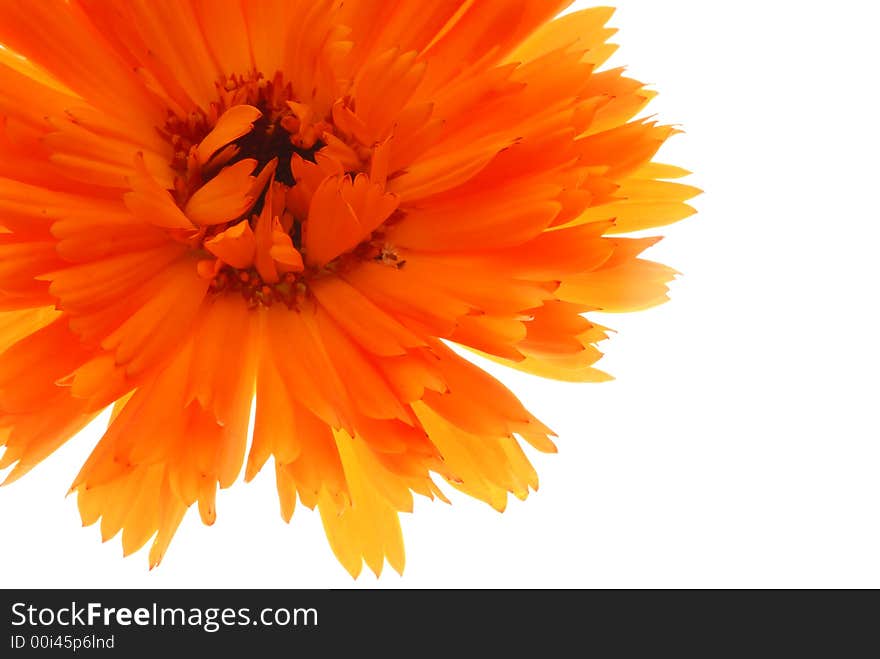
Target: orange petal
(478,226)
(225,197)
(60,38)
(366,323)
(275,431)
(236,122)
(381,92)
(367,529)
(342,214)
(583,29)
(15,325)
(368,392)
(631,286)
(155,329)
(285,255)
(485,29)
(235,246)
(222,22)
(263,235)
(152,203)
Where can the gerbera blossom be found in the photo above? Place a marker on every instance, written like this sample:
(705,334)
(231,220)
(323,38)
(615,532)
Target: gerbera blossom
(302,204)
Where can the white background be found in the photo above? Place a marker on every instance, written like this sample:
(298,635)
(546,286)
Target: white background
(738,446)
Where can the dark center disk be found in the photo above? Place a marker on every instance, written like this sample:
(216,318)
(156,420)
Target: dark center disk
(269,140)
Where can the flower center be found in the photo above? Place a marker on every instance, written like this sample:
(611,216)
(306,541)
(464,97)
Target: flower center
(268,140)
(275,135)
(241,150)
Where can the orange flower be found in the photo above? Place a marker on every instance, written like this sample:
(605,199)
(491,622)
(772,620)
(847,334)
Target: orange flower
(303,202)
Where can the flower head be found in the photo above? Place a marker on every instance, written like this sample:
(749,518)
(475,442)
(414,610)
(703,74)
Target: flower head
(303,203)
